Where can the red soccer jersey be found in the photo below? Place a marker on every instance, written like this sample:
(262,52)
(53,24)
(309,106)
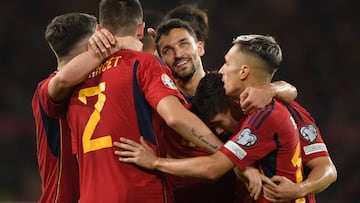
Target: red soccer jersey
(57,165)
(118,100)
(190,190)
(268,138)
(312,144)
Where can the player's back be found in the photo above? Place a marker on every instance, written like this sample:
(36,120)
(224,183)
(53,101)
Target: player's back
(120,92)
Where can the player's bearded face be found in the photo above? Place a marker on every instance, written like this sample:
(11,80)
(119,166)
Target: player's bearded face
(183,68)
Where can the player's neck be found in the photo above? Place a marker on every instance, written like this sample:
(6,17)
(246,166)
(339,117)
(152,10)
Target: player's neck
(189,87)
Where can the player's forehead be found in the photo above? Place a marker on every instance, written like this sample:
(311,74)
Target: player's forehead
(174,36)
(220,118)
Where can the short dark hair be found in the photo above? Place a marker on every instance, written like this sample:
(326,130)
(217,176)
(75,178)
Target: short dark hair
(210,98)
(166,26)
(264,47)
(120,16)
(65,31)
(196,17)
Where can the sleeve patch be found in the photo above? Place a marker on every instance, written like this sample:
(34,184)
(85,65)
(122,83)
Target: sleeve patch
(308,133)
(168,82)
(313,148)
(246,138)
(235,149)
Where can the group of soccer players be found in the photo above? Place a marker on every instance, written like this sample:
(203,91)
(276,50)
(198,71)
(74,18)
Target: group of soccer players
(105,89)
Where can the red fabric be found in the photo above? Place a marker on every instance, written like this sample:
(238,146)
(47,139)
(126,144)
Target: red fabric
(57,166)
(105,106)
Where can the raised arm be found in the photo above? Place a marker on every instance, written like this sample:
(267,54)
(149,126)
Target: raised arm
(71,74)
(187,124)
(284,91)
(253,98)
(101,45)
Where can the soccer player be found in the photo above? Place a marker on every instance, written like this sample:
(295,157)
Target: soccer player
(222,114)
(267,138)
(120,98)
(68,36)
(188,52)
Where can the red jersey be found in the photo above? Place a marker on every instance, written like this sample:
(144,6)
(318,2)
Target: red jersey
(187,190)
(57,165)
(118,100)
(268,138)
(312,144)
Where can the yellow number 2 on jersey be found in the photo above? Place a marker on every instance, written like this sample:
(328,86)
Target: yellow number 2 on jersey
(100,142)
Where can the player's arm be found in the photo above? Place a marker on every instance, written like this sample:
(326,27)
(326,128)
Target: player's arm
(253,98)
(203,167)
(186,124)
(323,173)
(71,74)
(209,167)
(78,69)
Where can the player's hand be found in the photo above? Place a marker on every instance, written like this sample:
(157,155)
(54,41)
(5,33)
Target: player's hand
(101,41)
(137,153)
(252,179)
(128,42)
(253,98)
(283,190)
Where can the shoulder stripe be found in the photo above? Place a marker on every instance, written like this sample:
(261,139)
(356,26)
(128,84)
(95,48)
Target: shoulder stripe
(259,117)
(269,111)
(254,116)
(294,113)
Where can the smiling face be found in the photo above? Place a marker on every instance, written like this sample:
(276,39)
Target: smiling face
(181,53)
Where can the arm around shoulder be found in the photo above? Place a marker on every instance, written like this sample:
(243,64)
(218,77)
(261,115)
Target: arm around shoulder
(284,91)
(187,124)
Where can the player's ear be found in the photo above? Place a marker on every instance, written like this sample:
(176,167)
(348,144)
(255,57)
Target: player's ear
(244,72)
(201,48)
(140,30)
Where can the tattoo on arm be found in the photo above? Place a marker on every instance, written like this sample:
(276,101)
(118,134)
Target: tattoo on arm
(203,140)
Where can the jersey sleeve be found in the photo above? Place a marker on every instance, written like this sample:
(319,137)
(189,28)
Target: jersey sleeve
(156,81)
(312,143)
(48,106)
(251,143)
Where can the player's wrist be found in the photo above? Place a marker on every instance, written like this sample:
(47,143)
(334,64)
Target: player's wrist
(273,90)
(301,190)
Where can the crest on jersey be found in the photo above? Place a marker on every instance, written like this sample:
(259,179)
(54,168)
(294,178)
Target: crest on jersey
(168,82)
(308,133)
(246,138)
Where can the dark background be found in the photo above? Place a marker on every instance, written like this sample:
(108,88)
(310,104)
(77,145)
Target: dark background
(320,43)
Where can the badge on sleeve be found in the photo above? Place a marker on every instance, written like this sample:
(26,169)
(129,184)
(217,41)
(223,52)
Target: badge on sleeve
(308,133)
(246,138)
(168,82)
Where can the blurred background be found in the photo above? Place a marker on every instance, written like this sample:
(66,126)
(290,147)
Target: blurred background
(320,43)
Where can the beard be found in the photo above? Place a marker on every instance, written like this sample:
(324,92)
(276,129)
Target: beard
(185,77)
